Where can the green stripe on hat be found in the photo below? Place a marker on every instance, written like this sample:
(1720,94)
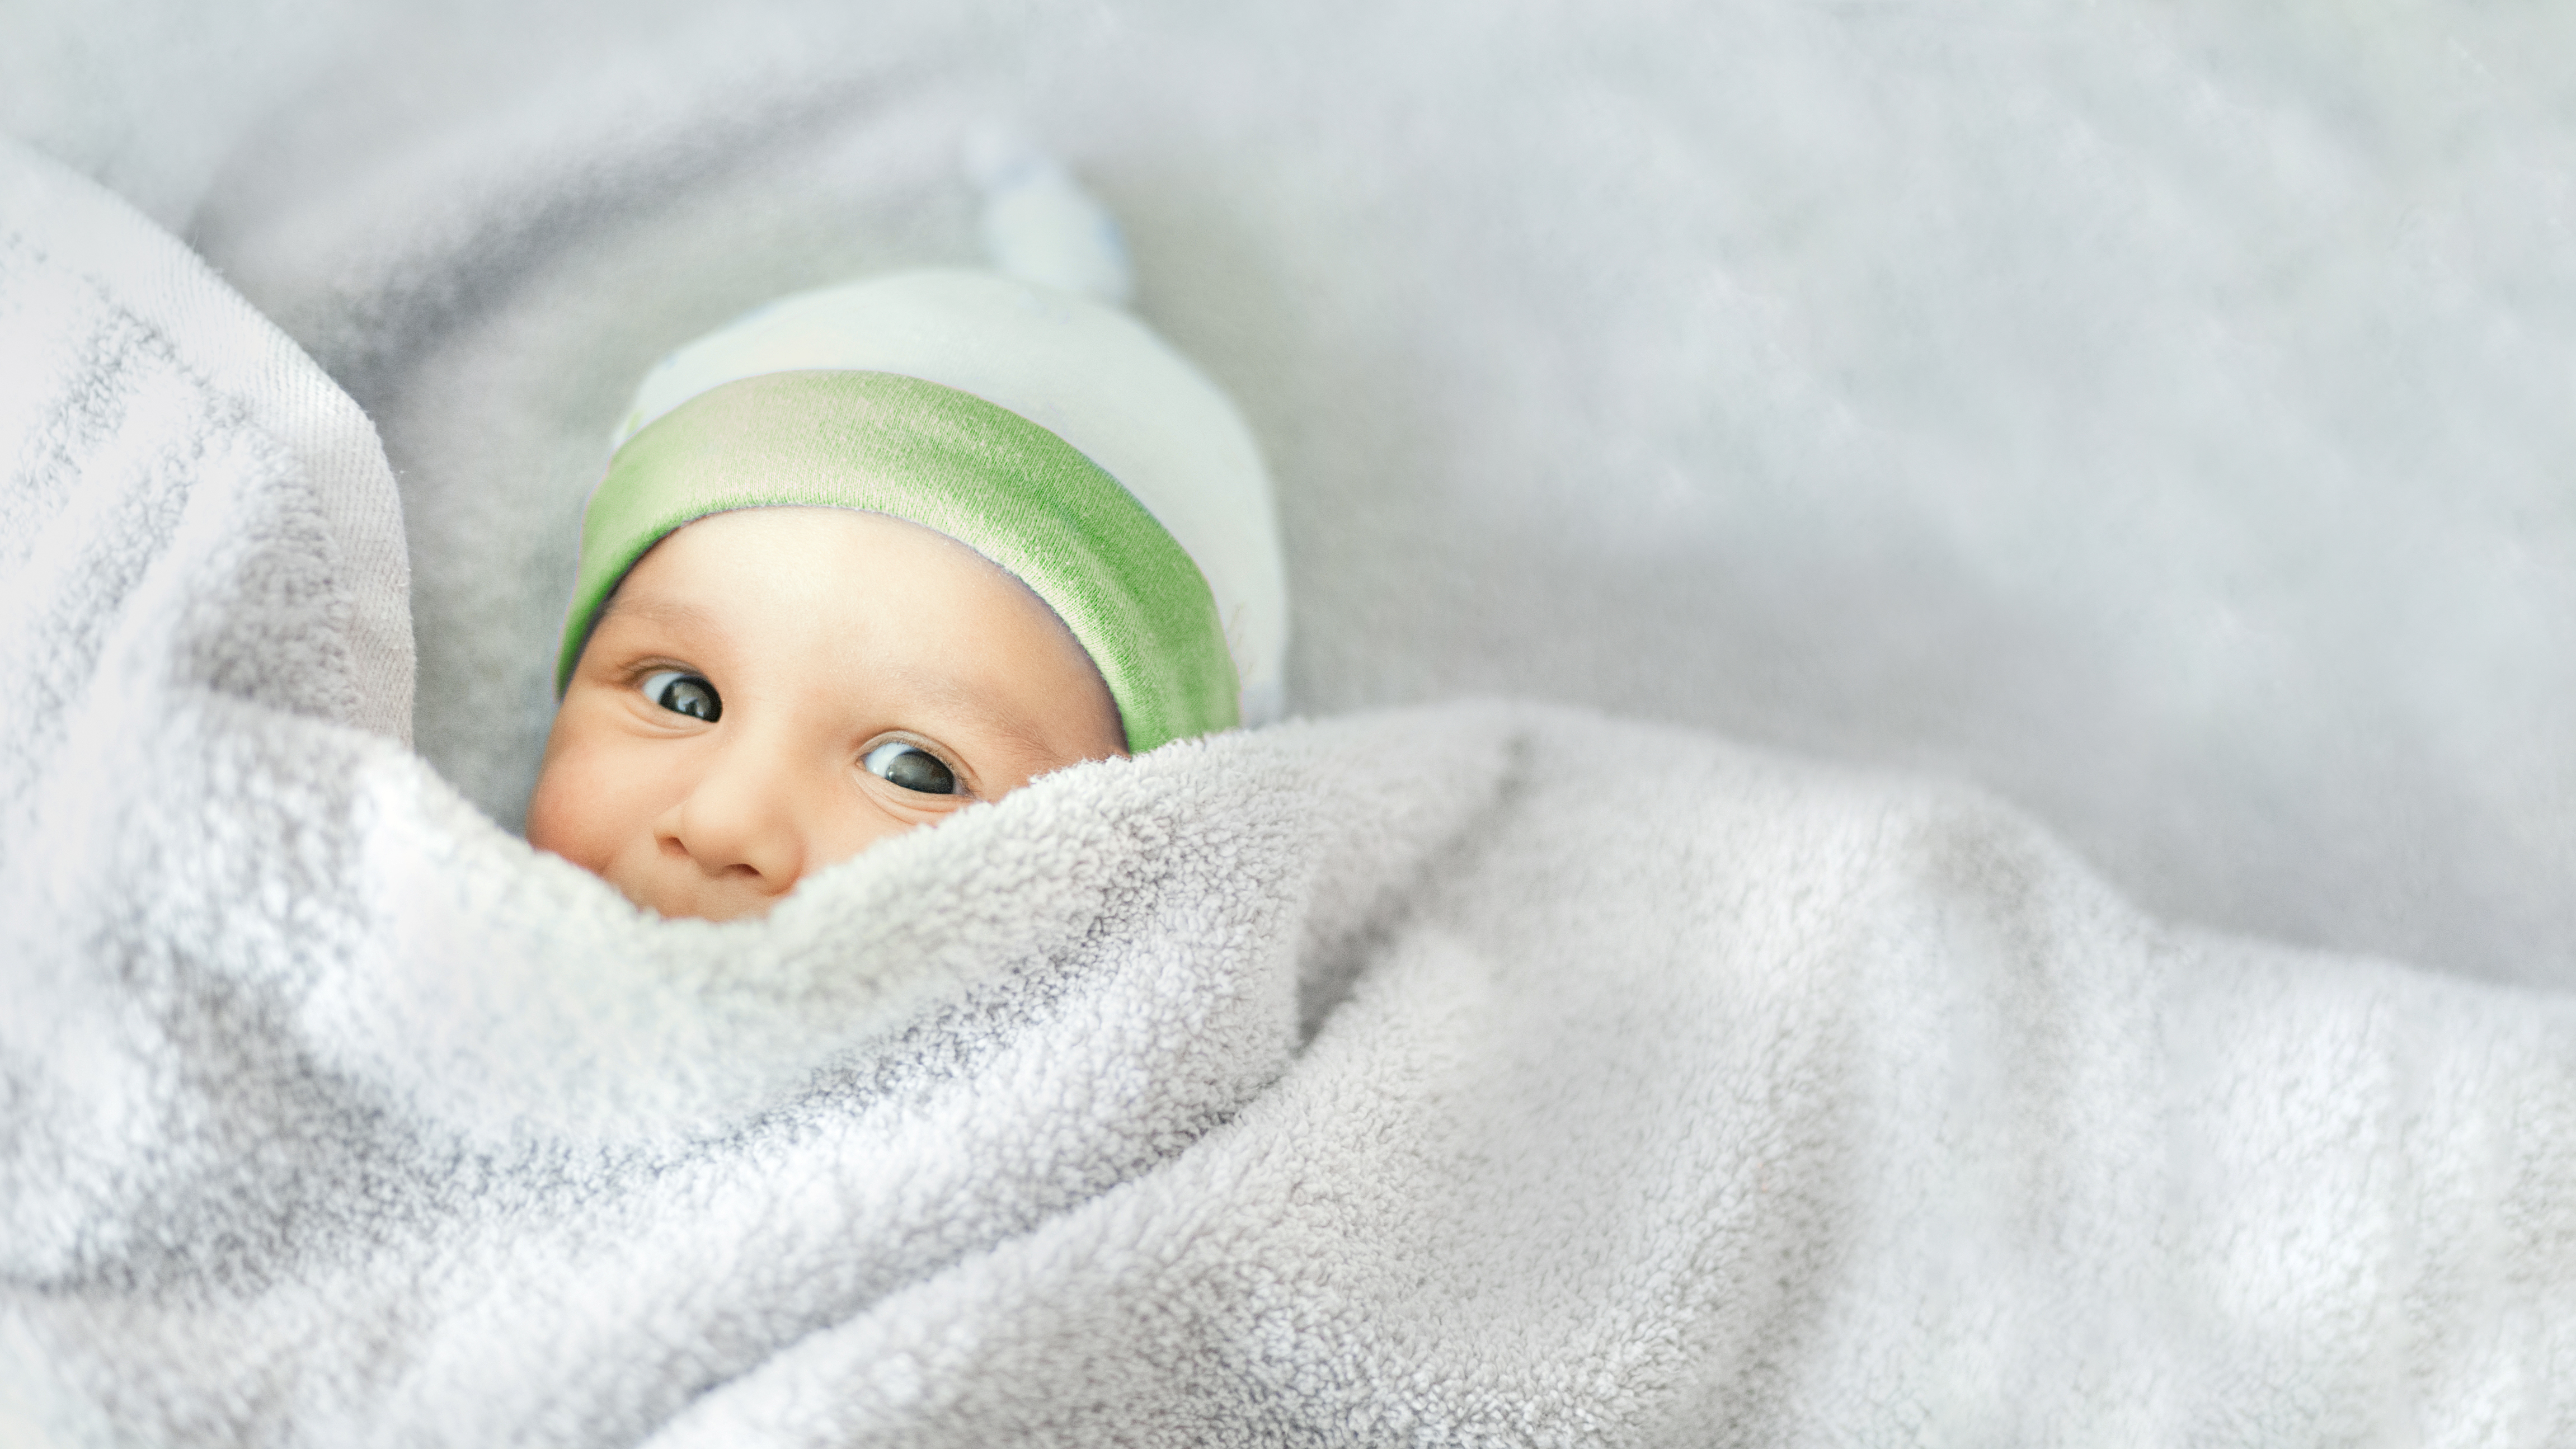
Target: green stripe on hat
(950,461)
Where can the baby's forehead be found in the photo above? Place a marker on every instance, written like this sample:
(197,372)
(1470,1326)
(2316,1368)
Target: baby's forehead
(792,570)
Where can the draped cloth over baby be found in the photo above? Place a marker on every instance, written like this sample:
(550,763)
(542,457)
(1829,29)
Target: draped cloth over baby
(1479,1074)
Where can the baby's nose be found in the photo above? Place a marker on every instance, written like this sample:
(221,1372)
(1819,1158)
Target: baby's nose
(745,820)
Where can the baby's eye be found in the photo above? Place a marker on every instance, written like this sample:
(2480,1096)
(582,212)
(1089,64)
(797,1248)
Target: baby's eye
(911,767)
(681,692)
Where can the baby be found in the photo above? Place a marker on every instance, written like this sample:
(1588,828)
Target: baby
(876,552)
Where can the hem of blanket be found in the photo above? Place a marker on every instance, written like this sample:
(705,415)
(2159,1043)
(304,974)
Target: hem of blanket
(216,333)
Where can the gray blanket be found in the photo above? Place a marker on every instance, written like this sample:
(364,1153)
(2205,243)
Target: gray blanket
(1479,1074)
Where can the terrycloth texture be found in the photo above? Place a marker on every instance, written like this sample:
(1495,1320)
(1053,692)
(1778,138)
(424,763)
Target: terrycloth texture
(951,462)
(1470,1075)
(1076,366)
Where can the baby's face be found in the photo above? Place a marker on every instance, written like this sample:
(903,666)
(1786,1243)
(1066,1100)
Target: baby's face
(777,689)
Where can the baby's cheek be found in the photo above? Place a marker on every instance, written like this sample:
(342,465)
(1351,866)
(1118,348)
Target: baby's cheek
(553,823)
(580,808)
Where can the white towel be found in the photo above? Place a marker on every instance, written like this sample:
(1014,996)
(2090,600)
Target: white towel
(1486,1074)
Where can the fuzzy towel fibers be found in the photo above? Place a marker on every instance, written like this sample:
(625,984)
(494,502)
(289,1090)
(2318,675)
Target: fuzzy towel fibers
(1479,1075)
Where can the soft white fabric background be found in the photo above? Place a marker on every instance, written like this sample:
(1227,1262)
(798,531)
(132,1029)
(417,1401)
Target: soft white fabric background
(2159,412)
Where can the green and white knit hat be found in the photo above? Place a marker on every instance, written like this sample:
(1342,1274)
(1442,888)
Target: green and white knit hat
(1052,434)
